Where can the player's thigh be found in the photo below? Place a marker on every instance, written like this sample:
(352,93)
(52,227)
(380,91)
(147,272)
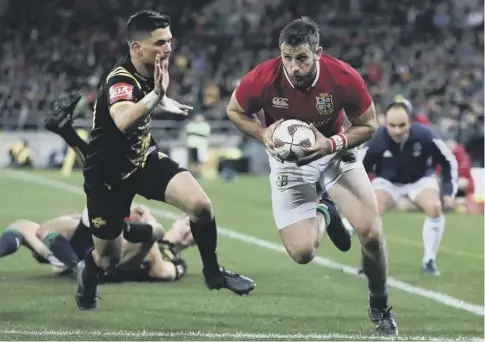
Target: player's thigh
(426,194)
(294,200)
(107,209)
(163,179)
(387,194)
(354,196)
(63,225)
(159,180)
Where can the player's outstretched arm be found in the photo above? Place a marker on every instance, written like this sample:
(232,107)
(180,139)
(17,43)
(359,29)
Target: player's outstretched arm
(168,105)
(127,114)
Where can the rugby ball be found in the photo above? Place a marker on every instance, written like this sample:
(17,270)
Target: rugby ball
(291,137)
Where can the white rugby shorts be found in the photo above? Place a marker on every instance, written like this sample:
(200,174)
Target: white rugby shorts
(295,190)
(411,190)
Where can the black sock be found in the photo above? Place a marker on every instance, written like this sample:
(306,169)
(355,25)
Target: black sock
(91,270)
(62,250)
(73,139)
(9,243)
(138,232)
(379,302)
(205,236)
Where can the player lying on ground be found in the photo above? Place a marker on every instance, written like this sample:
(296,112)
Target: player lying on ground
(151,261)
(399,155)
(122,160)
(305,84)
(23,233)
(69,237)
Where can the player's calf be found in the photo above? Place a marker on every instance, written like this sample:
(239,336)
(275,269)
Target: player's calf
(87,273)
(433,228)
(60,247)
(185,193)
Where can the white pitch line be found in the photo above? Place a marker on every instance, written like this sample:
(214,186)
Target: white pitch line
(225,336)
(391,281)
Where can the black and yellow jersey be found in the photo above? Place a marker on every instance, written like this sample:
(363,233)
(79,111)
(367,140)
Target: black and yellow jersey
(113,155)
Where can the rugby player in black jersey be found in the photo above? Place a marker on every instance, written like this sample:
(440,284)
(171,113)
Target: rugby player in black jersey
(122,160)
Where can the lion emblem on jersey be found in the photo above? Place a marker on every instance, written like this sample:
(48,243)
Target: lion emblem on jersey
(324,104)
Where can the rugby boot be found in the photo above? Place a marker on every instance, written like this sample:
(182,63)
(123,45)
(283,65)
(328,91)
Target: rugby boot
(336,230)
(62,114)
(234,282)
(430,268)
(86,298)
(384,321)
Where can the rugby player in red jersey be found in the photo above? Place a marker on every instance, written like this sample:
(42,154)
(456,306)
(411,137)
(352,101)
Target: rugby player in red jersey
(305,84)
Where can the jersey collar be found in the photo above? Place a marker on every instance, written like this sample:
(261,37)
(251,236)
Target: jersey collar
(133,70)
(317,76)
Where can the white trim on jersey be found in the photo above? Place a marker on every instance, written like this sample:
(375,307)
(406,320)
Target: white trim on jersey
(446,152)
(317,76)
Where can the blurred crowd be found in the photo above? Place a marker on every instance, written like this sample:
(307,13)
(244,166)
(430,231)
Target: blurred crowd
(430,51)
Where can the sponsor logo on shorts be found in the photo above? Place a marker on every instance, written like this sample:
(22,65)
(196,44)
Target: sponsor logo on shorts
(281,180)
(98,222)
(120,91)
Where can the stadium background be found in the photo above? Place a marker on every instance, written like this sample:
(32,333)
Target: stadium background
(429,51)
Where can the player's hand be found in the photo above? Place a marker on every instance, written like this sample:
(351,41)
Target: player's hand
(160,76)
(268,139)
(320,148)
(171,106)
(448,202)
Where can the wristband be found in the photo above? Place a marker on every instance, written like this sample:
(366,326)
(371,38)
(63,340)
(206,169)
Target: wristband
(151,100)
(339,142)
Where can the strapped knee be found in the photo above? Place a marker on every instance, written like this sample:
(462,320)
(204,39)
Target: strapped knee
(49,239)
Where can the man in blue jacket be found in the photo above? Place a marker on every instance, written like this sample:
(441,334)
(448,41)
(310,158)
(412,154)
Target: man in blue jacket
(403,156)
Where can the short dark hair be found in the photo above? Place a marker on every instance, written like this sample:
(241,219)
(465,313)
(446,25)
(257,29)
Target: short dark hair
(144,22)
(299,32)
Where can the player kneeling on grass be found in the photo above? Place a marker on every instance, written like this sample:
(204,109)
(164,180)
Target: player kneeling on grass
(403,156)
(159,260)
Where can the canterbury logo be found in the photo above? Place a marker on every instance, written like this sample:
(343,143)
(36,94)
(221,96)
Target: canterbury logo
(280,102)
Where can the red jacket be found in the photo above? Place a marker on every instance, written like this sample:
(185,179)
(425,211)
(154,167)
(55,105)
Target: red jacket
(421,118)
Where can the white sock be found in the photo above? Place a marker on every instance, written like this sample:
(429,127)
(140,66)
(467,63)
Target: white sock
(433,229)
(348,226)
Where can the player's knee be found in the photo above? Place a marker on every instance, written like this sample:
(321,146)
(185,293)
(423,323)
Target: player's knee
(302,254)
(41,233)
(106,229)
(369,230)
(107,262)
(200,208)
(434,210)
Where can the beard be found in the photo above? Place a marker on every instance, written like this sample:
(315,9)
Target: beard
(304,81)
